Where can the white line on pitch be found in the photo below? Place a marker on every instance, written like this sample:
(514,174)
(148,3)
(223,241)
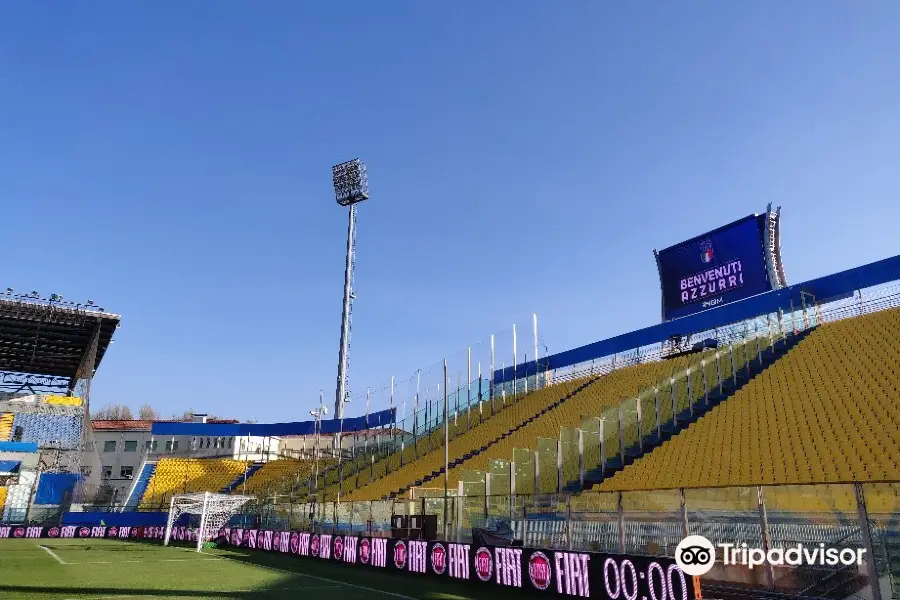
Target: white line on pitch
(53,554)
(334,581)
(111,562)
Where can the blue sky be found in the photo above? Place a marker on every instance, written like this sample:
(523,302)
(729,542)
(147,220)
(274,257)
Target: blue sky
(172,162)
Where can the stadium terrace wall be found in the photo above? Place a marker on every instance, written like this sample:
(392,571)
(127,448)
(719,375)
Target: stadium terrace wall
(382,418)
(561,573)
(824,289)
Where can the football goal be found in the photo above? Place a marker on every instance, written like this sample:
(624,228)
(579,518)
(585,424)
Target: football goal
(214,511)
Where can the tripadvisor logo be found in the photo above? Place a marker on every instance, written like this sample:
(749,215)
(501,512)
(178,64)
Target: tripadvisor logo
(696,555)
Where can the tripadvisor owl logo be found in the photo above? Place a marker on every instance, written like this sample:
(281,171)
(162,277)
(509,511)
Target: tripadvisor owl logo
(695,555)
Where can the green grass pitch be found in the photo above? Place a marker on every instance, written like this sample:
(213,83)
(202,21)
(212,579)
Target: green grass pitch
(60,569)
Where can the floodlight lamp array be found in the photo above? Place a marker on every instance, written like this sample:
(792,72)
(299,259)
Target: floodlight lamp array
(351,183)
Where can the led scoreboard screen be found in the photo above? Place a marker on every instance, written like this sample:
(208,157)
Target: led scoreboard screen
(716,268)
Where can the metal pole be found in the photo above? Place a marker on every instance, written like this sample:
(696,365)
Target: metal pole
(765,538)
(621,524)
(515,360)
(491,384)
(394,418)
(345,317)
(480,407)
(863,512)
(458,389)
(537,369)
(416,415)
(318,429)
(525,366)
(170,521)
(469,386)
(203,519)
(366,433)
(446,447)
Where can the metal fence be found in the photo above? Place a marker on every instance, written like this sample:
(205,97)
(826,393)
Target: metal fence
(852,515)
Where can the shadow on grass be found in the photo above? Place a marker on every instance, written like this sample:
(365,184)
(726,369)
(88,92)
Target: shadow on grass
(296,575)
(370,582)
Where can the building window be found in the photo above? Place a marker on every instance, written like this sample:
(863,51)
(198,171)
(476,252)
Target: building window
(151,445)
(107,472)
(86,470)
(127,472)
(109,446)
(131,446)
(230,442)
(169,447)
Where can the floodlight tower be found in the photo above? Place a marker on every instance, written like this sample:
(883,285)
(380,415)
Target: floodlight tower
(351,186)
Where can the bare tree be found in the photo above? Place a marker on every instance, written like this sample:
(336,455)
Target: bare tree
(146,413)
(113,412)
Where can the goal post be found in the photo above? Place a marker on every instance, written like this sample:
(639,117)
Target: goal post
(213,509)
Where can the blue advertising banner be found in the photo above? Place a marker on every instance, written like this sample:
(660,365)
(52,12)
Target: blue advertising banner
(716,268)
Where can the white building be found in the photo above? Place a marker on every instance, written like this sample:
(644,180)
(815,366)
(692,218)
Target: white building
(123,445)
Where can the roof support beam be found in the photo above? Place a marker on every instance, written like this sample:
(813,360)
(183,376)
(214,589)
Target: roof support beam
(85,368)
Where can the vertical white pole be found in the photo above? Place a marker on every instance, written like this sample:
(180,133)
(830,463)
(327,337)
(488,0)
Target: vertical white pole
(491,383)
(469,386)
(480,407)
(203,521)
(458,390)
(446,447)
(416,415)
(537,370)
(515,359)
(366,438)
(525,362)
(394,419)
(169,521)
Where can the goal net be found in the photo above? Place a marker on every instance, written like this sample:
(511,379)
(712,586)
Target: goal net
(212,510)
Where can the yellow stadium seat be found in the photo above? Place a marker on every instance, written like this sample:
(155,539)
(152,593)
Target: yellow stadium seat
(63,400)
(185,475)
(827,412)
(6,424)
(539,414)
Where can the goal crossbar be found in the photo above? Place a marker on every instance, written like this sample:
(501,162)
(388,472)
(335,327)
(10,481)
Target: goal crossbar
(214,510)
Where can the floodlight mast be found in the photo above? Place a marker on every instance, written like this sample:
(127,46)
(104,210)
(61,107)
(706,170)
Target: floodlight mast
(351,186)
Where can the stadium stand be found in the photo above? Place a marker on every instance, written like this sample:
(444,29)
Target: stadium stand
(49,430)
(277,476)
(3,492)
(184,475)
(140,485)
(607,392)
(539,413)
(826,412)
(6,426)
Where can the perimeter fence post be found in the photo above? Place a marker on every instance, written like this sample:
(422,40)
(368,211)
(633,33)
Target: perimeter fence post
(765,537)
(621,523)
(863,513)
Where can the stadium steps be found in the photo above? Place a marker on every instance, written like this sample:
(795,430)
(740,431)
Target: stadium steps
(826,412)
(140,484)
(6,426)
(685,418)
(242,478)
(458,461)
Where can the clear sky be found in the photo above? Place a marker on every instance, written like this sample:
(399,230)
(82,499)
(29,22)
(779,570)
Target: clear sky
(171,160)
